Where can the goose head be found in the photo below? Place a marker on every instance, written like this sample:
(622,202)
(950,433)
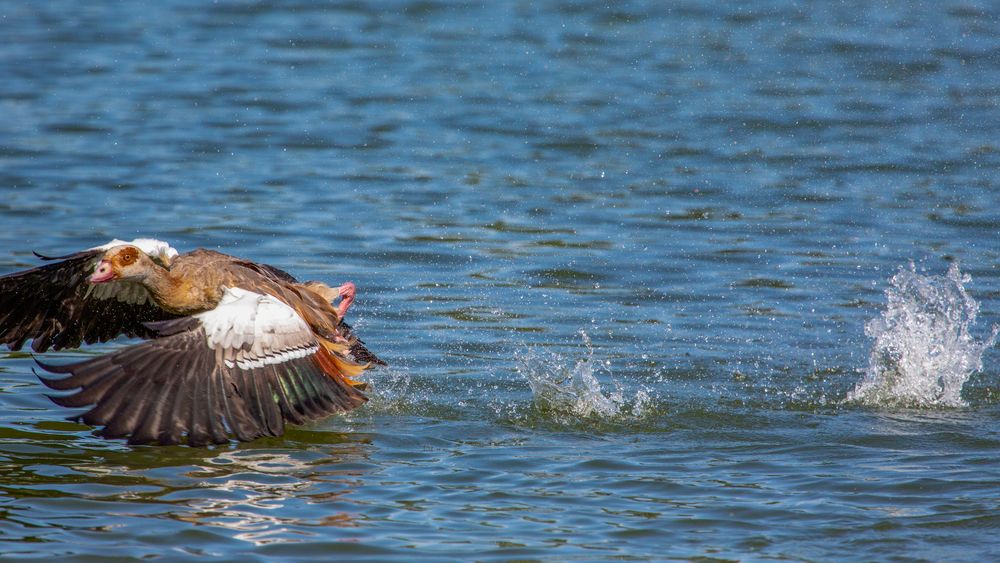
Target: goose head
(125,262)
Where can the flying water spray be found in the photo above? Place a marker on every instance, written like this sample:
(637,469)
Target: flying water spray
(923,351)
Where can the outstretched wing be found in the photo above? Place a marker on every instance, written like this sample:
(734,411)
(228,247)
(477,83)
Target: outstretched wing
(56,307)
(243,368)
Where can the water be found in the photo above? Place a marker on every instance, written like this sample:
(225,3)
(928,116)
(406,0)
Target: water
(630,265)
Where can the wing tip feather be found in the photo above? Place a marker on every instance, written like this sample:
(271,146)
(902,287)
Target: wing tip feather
(55,384)
(63,401)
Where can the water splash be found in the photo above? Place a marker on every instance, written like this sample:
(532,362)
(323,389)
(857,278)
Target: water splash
(923,352)
(570,389)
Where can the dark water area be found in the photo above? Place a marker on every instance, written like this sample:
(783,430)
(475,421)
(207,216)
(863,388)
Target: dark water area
(621,258)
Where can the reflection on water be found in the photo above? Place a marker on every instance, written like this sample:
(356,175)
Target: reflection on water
(262,494)
(249,491)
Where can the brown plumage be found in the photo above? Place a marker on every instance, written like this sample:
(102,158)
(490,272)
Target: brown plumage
(234,347)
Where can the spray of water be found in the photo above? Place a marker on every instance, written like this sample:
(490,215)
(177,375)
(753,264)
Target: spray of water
(923,352)
(570,390)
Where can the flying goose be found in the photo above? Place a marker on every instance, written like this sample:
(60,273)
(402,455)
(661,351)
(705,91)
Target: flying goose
(232,347)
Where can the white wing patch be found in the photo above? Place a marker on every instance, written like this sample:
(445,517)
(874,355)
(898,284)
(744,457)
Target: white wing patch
(154,248)
(249,363)
(252,330)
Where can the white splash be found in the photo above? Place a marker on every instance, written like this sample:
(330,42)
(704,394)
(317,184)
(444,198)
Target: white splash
(923,352)
(576,391)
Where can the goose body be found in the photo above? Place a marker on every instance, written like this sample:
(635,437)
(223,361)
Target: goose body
(232,347)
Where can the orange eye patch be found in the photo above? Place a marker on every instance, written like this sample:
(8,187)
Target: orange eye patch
(128,256)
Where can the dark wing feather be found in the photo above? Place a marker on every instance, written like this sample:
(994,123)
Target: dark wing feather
(50,305)
(177,386)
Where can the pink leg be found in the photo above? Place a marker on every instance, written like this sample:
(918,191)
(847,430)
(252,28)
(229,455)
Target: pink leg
(346,292)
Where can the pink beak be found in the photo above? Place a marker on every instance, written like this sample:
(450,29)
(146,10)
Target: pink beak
(103,273)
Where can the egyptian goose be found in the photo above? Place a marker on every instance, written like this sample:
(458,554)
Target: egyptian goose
(234,347)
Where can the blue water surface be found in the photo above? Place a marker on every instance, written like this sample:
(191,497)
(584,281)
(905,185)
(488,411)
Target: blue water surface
(696,205)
